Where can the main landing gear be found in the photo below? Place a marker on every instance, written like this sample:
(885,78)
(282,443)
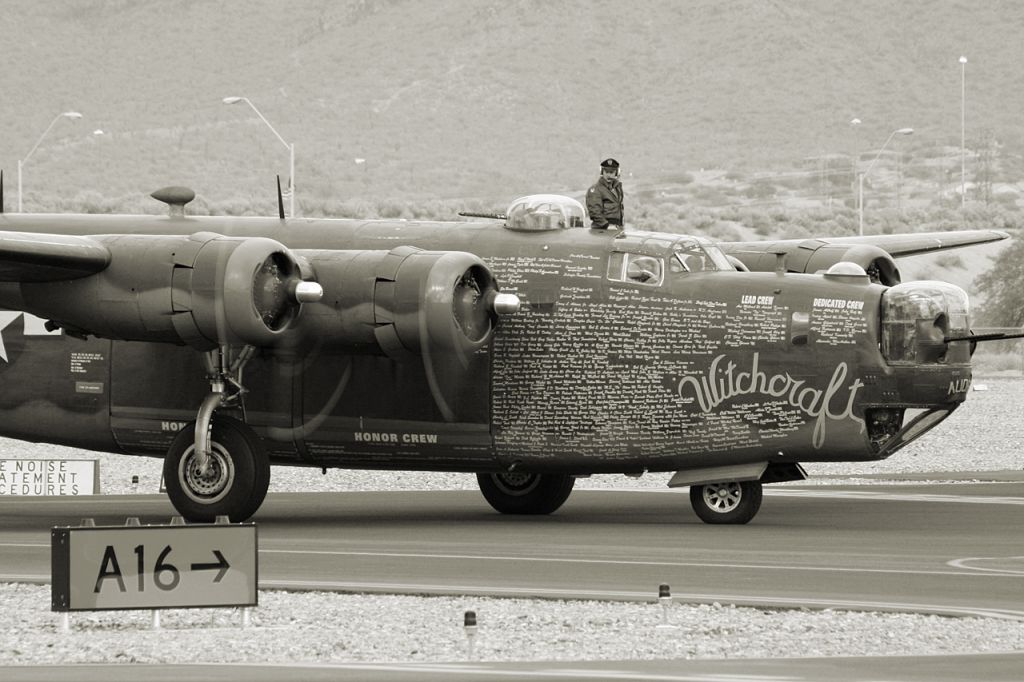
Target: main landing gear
(217,466)
(522,493)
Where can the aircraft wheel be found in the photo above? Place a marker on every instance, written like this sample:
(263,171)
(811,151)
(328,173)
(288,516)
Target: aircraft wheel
(515,493)
(235,484)
(726,502)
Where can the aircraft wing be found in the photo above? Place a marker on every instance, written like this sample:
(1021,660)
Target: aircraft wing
(896,245)
(32,257)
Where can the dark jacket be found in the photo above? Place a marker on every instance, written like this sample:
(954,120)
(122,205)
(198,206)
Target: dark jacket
(604,204)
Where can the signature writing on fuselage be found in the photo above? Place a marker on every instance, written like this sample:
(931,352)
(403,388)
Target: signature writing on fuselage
(724,383)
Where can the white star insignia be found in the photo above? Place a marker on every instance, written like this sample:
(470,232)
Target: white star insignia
(6,317)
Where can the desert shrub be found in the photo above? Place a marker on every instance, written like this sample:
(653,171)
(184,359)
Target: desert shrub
(352,208)
(433,210)
(700,223)
(1006,199)
(1001,286)
(846,223)
(981,217)
(759,189)
(758,221)
(230,207)
(840,179)
(820,224)
(679,178)
(665,209)
(790,230)
(919,172)
(393,208)
(732,213)
(990,361)
(798,182)
(709,196)
(198,206)
(918,274)
(950,260)
(723,231)
(86,201)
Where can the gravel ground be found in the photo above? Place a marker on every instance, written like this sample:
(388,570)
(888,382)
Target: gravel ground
(326,627)
(323,627)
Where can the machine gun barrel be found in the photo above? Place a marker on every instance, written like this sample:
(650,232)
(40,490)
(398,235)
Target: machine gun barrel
(993,334)
(474,214)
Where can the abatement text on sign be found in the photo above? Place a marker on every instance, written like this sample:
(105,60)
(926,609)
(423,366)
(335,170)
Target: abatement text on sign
(49,477)
(148,567)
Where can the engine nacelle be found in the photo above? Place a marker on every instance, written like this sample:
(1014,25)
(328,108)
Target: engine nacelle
(203,290)
(404,302)
(813,255)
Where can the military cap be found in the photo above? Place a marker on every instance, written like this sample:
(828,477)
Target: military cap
(611,164)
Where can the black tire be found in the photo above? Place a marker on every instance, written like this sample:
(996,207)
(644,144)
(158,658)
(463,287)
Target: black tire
(515,493)
(726,502)
(237,482)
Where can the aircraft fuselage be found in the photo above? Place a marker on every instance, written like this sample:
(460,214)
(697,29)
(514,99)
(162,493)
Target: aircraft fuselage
(602,369)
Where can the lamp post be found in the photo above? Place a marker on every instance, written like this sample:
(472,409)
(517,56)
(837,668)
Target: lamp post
(72,115)
(860,176)
(290,147)
(854,160)
(963,132)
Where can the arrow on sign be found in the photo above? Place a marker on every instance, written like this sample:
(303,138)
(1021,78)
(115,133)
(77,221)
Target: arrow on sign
(221,564)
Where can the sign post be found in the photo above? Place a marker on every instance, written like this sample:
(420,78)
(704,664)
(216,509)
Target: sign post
(152,567)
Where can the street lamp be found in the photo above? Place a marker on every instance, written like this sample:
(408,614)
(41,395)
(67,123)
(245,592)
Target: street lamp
(963,131)
(72,115)
(855,160)
(860,178)
(291,151)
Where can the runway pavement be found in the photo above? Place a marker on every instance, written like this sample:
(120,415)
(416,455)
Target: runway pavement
(952,549)
(989,667)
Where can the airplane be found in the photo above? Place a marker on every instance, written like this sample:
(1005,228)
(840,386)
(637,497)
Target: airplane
(523,347)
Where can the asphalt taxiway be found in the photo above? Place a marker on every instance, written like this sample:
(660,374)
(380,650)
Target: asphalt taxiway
(941,548)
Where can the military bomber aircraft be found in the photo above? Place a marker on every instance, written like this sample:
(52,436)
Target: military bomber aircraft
(529,350)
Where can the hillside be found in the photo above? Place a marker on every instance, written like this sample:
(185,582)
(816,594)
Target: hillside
(488,98)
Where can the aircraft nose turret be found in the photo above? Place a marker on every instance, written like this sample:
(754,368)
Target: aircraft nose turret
(917,317)
(917,320)
(927,364)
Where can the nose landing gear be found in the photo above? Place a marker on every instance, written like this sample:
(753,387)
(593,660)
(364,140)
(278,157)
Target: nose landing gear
(732,502)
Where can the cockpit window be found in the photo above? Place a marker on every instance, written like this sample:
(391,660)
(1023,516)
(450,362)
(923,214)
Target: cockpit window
(643,269)
(634,267)
(648,261)
(690,256)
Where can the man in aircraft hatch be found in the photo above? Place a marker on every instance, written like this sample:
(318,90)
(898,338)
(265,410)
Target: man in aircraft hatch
(604,198)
